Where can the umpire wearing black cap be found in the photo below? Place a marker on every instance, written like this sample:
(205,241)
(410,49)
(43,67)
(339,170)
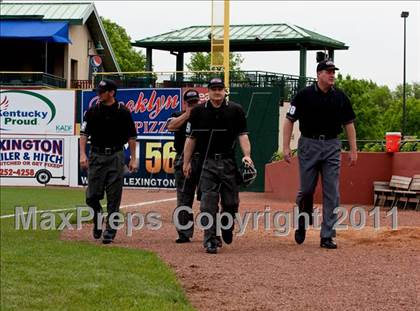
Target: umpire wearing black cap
(109,126)
(185,187)
(213,130)
(322,111)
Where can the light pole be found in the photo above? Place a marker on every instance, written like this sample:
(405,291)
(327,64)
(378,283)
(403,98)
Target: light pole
(404,15)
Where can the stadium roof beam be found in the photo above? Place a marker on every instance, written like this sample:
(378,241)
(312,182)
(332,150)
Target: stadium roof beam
(243,38)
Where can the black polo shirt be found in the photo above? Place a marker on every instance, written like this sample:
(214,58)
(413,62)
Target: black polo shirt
(108,126)
(321,113)
(179,134)
(216,129)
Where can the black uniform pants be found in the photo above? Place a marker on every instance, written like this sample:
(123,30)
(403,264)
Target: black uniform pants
(185,191)
(218,182)
(105,174)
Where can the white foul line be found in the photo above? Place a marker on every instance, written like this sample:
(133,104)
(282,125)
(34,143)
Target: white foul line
(74,208)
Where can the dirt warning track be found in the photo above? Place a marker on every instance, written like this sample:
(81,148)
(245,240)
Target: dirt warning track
(371,269)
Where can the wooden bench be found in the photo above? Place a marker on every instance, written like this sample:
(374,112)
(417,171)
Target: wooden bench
(412,195)
(381,191)
(387,190)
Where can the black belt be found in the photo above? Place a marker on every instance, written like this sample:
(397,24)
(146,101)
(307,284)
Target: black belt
(320,137)
(193,156)
(220,156)
(106,150)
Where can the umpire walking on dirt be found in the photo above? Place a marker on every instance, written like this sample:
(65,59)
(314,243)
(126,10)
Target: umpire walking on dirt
(322,111)
(185,187)
(109,126)
(213,130)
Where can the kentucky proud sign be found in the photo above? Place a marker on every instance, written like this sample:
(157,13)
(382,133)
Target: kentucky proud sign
(37,112)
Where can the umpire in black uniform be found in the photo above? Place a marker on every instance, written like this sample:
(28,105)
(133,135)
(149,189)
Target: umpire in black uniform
(322,111)
(213,130)
(109,126)
(185,187)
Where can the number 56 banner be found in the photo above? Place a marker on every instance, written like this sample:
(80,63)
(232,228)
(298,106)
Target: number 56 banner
(155,167)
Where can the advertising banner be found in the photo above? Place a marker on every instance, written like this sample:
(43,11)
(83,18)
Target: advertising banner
(43,112)
(155,167)
(95,65)
(150,108)
(32,160)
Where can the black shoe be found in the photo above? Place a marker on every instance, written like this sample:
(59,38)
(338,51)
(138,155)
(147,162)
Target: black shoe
(227,236)
(328,243)
(218,241)
(182,239)
(97,233)
(211,248)
(109,236)
(300,235)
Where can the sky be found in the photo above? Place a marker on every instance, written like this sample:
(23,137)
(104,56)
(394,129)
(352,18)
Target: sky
(372,29)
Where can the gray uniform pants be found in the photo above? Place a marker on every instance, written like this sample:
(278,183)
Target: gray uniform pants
(105,174)
(320,157)
(218,182)
(185,192)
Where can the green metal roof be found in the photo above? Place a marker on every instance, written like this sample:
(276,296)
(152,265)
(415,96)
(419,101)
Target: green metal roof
(73,12)
(257,37)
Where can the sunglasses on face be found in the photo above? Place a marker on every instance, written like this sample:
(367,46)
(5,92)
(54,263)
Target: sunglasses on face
(218,89)
(192,102)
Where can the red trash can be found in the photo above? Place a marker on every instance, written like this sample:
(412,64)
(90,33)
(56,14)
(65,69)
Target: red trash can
(392,140)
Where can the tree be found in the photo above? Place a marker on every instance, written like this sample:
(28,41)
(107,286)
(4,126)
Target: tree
(369,102)
(411,90)
(393,116)
(127,57)
(378,110)
(200,61)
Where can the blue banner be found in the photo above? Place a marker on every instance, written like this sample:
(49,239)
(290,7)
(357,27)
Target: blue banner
(156,159)
(150,108)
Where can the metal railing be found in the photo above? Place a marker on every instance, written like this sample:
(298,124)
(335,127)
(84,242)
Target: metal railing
(81,84)
(243,78)
(32,79)
(157,78)
(289,84)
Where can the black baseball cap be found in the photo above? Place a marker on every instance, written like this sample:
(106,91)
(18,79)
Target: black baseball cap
(216,82)
(326,65)
(191,95)
(106,85)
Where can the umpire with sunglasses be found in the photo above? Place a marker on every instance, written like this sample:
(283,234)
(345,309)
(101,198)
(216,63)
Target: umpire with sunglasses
(109,126)
(213,130)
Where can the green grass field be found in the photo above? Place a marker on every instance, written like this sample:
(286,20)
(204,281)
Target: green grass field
(41,272)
